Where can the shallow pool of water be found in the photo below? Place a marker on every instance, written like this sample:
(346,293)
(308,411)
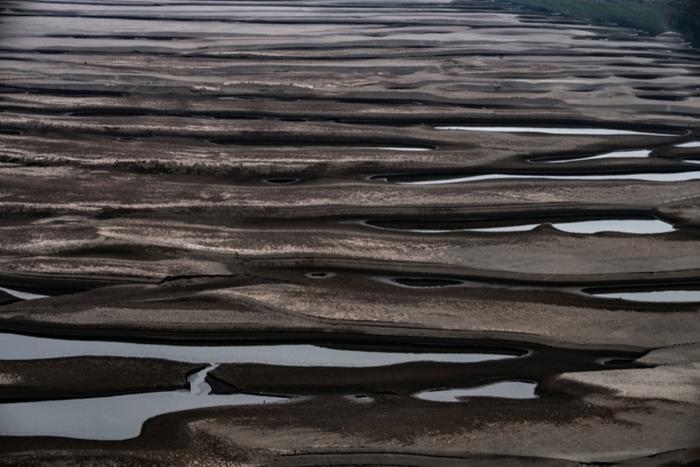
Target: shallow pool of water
(691,144)
(396,148)
(20,347)
(549,130)
(655,296)
(422,282)
(22,295)
(504,389)
(632,154)
(632,226)
(649,177)
(114,417)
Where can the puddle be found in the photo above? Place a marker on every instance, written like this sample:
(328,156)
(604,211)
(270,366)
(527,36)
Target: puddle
(633,154)
(691,144)
(22,295)
(115,417)
(550,130)
(631,226)
(504,228)
(396,148)
(503,390)
(648,177)
(655,296)
(19,347)
(420,282)
(319,275)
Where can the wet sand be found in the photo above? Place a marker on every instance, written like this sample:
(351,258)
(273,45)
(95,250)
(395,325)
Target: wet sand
(281,234)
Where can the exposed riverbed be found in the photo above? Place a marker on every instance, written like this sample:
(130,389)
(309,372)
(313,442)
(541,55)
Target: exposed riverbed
(349,233)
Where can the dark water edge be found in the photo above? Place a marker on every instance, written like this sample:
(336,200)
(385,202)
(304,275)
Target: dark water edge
(653,17)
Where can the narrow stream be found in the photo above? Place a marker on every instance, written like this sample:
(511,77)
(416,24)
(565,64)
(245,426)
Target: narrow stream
(198,381)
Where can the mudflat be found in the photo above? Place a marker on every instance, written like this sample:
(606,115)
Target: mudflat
(421,233)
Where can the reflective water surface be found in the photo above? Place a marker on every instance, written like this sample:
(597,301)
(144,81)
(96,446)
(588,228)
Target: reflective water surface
(408,149)
(549,130)
(22,295)
(655,296)
(198,383)
(109,418)
(635,226)
(504,389)
(19,347)
(649,177)
(632,226)
(630,154)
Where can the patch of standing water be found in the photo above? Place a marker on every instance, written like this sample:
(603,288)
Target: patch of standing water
(635,154)
(633,226)
(406,149)
(504,390)
(647,177)
(549,130)
(420,282)
(655,296)
(116,417)
(505,228)
(22,295)
(691,144)
(19,347)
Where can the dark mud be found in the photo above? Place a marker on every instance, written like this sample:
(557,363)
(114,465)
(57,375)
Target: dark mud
(67,378)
